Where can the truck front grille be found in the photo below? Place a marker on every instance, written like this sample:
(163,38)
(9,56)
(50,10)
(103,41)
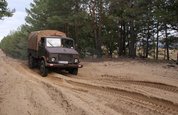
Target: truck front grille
(66,57)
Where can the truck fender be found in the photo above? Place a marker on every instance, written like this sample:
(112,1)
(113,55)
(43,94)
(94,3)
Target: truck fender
(44,58)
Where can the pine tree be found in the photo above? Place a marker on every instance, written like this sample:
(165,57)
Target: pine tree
(4,11)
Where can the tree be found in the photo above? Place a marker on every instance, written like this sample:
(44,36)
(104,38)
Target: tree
(15,44)
(97,14)
(4,11)
(104,26)
(37,15)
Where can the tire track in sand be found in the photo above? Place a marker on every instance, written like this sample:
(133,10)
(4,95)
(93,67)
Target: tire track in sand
(140,100)
(157,85)
(159,105)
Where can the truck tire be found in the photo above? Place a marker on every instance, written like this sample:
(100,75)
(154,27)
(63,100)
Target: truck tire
(73,71)
(43,69)
(31,62)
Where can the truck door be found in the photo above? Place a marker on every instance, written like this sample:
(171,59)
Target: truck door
(41,51)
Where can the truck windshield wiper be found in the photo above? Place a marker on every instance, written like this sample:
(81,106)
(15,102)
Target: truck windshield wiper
(50,44)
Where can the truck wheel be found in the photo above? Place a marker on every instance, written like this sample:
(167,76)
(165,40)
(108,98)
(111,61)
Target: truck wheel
(31,62)
(43,69)
(73,71)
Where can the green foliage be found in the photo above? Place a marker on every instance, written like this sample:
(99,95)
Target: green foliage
(15,44)
(115,25)
(4,11)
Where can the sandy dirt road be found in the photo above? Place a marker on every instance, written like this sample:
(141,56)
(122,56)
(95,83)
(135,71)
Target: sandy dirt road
(122,87)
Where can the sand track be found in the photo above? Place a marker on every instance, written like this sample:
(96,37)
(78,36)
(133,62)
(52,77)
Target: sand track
(101,88)
(152,84)
(155,104)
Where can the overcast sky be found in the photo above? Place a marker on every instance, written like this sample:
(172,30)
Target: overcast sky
(12,23)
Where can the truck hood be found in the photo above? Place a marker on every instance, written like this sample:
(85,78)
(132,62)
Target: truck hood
(62,50)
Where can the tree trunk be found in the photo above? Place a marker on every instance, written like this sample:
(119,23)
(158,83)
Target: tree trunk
(132,46)
(120,42)
(124,39)
(100,21)
(167,42)
(119,38)
(110,50)
(157,41)
(96,12)
(77,37)
(147,40)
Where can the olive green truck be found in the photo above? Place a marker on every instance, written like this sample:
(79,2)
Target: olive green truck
(52,49)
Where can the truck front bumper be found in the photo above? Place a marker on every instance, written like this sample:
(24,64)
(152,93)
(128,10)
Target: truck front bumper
(64,65)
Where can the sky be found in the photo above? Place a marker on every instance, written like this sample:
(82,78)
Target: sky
(12,23)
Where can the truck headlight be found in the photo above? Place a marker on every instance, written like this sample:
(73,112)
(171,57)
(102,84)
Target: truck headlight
(53,59)
(76,60)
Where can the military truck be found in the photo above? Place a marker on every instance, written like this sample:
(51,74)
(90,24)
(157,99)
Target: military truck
(52,49)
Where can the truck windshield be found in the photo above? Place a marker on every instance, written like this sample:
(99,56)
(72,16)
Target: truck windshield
(59,42)
(53,42)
